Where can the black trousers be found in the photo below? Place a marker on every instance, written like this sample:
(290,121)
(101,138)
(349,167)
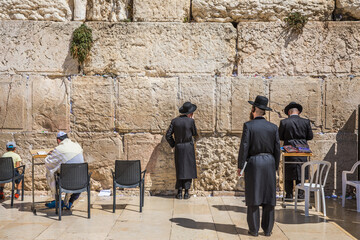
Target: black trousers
(183,184)
(267,218)
(289,186)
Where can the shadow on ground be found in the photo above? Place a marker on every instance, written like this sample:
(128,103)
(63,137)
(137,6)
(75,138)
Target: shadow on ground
(225,228)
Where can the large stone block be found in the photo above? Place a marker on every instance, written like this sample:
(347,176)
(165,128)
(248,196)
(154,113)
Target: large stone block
(200,90)
(217,164)
(146,104)
(40,47)
(50,103)
(233,94)
(348,8)
(47,10)
(156,157)
(162,49)
(13,102)
(304,90)
(249,10)
(93,111)
(108,10)
(340,150)
(341,103)
(161,11)
(100,152)
(323,48)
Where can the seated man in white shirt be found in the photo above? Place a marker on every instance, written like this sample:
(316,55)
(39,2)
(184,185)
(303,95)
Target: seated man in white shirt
(66,152)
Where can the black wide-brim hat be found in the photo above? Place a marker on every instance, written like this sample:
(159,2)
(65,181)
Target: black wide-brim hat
(293,105)
(261,102)
(187,108)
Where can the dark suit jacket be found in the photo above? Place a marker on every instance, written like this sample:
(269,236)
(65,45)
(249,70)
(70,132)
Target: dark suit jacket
(183,129)
(291,128)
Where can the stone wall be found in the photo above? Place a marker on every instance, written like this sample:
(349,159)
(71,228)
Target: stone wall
(149,57)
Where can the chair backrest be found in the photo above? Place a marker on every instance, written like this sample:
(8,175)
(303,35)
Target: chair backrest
(355,166)
(74,176)
(318,172)
(6,168)
(127,172)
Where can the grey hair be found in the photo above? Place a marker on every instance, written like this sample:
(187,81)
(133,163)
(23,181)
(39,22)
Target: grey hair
(294,110)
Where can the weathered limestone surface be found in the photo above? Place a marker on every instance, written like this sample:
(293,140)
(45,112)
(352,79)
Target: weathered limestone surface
(304,90)
(161,11)
(166,48)
(50,103)
(146,104)
(340,150)
(249,10)
(200,90)
(322,48)
(41,47)
(13,99)
(217,163)
(348,7)
(233,94)
(48,10)
(79,10)
(156,157)
(100,151)
(108,10)
(93,111)
(341,103)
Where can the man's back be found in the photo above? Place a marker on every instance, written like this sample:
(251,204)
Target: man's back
(295,127)
(15,157)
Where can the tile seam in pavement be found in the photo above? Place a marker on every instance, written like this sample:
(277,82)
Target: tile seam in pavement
(116,220)
(212,217)
(172,216)
(343,230)
(227,211)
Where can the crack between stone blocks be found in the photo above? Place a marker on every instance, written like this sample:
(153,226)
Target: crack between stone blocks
(7,105)
(236,59)
(191,18)
(217,101)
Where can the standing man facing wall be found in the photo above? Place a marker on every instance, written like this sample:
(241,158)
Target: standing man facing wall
(183,128)
(260,148)
(293,129)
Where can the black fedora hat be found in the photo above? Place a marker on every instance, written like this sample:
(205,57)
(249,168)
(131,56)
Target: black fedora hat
(293,105)
(261,102)
(187,108)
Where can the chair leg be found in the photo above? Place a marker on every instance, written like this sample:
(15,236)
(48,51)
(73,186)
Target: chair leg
(143,193)
(140,196)
(317,201)
(358,198)
(22,188)
(343,194)
(12,193)
(59,202)
(323,201)
(89,193)
(307,198)
(296,197)
(114,197)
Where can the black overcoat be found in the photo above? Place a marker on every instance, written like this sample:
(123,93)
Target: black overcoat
(183,129)
(291,128)
(260,147)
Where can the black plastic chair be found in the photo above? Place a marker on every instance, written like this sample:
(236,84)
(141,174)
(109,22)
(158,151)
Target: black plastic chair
(128,174)
(73,178)
(7,174)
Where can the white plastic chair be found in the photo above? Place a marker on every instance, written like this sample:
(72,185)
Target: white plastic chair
(355,184)
(318,172)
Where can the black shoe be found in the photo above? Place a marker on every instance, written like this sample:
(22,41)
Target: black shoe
(179,196)
(186,196)
(255,234)
(267,234)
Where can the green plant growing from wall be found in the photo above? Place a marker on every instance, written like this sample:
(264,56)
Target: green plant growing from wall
(81,44)
(295,22)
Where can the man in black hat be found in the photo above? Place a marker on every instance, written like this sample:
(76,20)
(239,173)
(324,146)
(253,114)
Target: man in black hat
(260,148)
(293,129)
(183,128)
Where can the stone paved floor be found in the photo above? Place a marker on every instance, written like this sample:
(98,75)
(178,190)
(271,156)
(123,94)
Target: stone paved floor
(162,218)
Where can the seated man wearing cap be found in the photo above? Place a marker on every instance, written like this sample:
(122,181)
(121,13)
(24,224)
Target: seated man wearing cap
(11,148)
(67,152)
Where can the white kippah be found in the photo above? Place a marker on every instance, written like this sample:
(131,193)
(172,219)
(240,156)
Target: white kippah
(60,134)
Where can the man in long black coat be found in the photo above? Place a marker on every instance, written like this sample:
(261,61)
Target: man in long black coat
(260,148)
(294,128)
(183,128)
